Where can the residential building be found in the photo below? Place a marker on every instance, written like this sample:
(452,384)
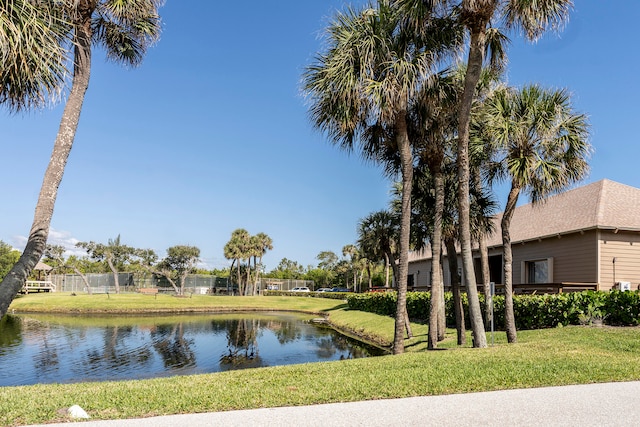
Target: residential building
(588,237)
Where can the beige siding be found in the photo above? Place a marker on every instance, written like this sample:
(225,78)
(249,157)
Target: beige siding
(625,248)
(574,257)
(420,271)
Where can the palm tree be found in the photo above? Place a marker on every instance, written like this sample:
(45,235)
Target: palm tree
(542,148)
(264,244)
(533,18)
(353,253)
(360,90)
(124,30)
(33,56)
(378,236)
(238,248)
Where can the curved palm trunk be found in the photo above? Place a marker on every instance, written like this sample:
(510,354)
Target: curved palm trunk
(474,67)
(437,288)
(36,243)
(509,317)
(458,308)
(406,159)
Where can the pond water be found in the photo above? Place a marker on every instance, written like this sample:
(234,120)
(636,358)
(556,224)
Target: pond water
(38,349)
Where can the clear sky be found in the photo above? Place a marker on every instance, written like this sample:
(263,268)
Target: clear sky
(211,133)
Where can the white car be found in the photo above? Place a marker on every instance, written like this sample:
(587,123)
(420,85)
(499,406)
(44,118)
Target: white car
(324,290)
(300,289)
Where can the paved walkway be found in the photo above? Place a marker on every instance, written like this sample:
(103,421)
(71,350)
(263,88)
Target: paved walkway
(609,404)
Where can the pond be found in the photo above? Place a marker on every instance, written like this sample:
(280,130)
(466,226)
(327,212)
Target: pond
(37,349)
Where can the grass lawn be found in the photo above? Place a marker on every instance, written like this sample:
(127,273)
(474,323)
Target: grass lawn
(559,356)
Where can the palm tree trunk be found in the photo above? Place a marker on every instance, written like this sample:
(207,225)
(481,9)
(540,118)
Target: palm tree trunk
(458,308)
(386,270)
(406,159)
(509,317)
(474,67)
(437,288)
(36,243)
(484,253)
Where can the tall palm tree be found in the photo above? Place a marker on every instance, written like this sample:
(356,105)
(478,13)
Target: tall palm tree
(542,148)
(533,18)
(124,30)
(360,90)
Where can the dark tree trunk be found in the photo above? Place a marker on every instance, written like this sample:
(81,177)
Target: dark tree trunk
(458,308)
(406,159)
(474,67)
(509,317)
(437,287)
(36,243)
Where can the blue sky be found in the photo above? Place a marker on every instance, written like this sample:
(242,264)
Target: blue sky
(211,133)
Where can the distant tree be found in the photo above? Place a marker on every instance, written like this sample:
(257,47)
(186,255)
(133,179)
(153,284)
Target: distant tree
(241,249)
(263,243)
(55,253)
(378,238)
(8,258)
(287,269)
(124,30)
(114,253)
(179,262)
(328,260)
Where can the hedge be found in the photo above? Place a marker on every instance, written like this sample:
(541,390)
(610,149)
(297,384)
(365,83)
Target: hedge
(328,295)
(531,311)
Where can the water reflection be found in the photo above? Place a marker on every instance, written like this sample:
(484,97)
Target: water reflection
(72,349)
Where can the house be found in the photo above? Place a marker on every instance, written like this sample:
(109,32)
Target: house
(587,237)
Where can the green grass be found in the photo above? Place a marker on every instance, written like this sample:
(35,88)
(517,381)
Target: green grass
(570,355)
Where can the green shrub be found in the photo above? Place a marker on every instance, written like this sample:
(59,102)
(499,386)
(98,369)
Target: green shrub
(327,295)
(531,311)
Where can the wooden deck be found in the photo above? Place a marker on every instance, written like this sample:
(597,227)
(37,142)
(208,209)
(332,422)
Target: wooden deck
(38,286)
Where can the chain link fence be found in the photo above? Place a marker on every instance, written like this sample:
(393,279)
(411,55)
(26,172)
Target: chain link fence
(194,283)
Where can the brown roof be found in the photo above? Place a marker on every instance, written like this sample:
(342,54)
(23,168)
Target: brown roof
(603,204)
(42,266)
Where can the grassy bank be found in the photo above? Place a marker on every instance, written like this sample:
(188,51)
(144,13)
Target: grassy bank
(557,356)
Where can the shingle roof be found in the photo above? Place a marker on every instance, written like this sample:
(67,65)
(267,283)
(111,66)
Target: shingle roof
(603,204)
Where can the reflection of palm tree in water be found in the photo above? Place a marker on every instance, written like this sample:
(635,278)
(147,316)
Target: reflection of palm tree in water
(286,331)
(115,353)
(174,348)
(331,344)
(242,345)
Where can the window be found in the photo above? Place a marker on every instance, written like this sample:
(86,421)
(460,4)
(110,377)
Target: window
(539,271)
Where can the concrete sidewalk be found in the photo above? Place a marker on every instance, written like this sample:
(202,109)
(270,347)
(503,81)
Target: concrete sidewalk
(608,404)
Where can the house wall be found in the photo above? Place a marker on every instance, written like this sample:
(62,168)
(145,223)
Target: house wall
(574,257)
(421,271)
(625,248)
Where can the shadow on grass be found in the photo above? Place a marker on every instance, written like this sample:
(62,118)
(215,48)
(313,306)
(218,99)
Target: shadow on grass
(344,306)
